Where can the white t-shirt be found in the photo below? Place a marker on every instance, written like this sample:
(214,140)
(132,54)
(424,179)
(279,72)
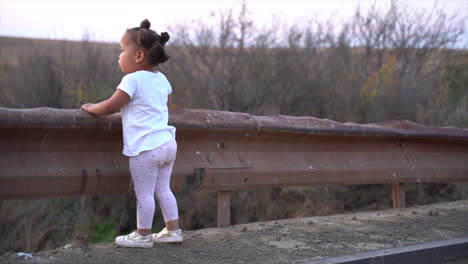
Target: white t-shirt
(145,117)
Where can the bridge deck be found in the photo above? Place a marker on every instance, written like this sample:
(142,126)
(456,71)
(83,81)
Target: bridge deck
(299,240)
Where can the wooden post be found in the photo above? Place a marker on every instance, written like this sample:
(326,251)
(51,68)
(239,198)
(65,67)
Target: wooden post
(224,208)
(399,195)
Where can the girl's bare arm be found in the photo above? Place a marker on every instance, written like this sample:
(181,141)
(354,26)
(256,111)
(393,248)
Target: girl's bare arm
(109,106)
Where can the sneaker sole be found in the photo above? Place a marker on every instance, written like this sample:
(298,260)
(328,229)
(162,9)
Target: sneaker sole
(139,245)
(168,240)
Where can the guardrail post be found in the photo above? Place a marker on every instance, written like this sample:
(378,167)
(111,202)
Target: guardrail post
(224,208)
(399,195)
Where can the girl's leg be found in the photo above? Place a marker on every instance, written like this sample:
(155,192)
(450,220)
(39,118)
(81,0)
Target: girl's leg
(144,177)
(166,198)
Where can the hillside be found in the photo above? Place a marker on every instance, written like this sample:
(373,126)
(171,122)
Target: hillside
(282,241)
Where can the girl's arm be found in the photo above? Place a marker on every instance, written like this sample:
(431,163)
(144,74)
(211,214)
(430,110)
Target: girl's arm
(109,106)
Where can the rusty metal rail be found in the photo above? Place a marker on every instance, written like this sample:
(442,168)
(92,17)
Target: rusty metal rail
(49,152)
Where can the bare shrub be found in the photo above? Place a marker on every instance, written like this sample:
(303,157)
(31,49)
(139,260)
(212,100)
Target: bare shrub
(60,74)
(380,64)
(32,225)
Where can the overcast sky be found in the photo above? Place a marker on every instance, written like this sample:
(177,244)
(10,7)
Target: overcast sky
(106,20)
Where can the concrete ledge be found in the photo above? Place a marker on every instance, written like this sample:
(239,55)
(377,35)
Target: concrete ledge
(433,252)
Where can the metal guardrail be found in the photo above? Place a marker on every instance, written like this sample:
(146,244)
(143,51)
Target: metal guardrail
(49,152)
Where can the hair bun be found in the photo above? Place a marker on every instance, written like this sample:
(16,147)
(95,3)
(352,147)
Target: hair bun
(145,24)
(165,37)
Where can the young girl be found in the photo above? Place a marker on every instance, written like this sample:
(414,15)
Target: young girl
(143,97)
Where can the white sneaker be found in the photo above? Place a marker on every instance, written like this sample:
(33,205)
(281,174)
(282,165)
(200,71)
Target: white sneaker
(134,240)
(166,236)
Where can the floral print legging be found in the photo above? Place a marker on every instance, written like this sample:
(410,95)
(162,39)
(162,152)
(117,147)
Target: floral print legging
(151,174)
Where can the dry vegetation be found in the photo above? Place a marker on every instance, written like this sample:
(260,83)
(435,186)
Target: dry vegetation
(378,65)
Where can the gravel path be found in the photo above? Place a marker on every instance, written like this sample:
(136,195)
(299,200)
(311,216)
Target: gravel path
(283,241)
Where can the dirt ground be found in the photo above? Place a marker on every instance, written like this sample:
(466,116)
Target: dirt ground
(283,241)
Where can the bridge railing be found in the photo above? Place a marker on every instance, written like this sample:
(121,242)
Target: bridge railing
(49,152)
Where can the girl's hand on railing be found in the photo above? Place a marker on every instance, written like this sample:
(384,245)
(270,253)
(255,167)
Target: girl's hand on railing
(86,107)
(109,106)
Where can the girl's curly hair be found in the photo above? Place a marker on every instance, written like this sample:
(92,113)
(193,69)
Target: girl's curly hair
(150,41)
